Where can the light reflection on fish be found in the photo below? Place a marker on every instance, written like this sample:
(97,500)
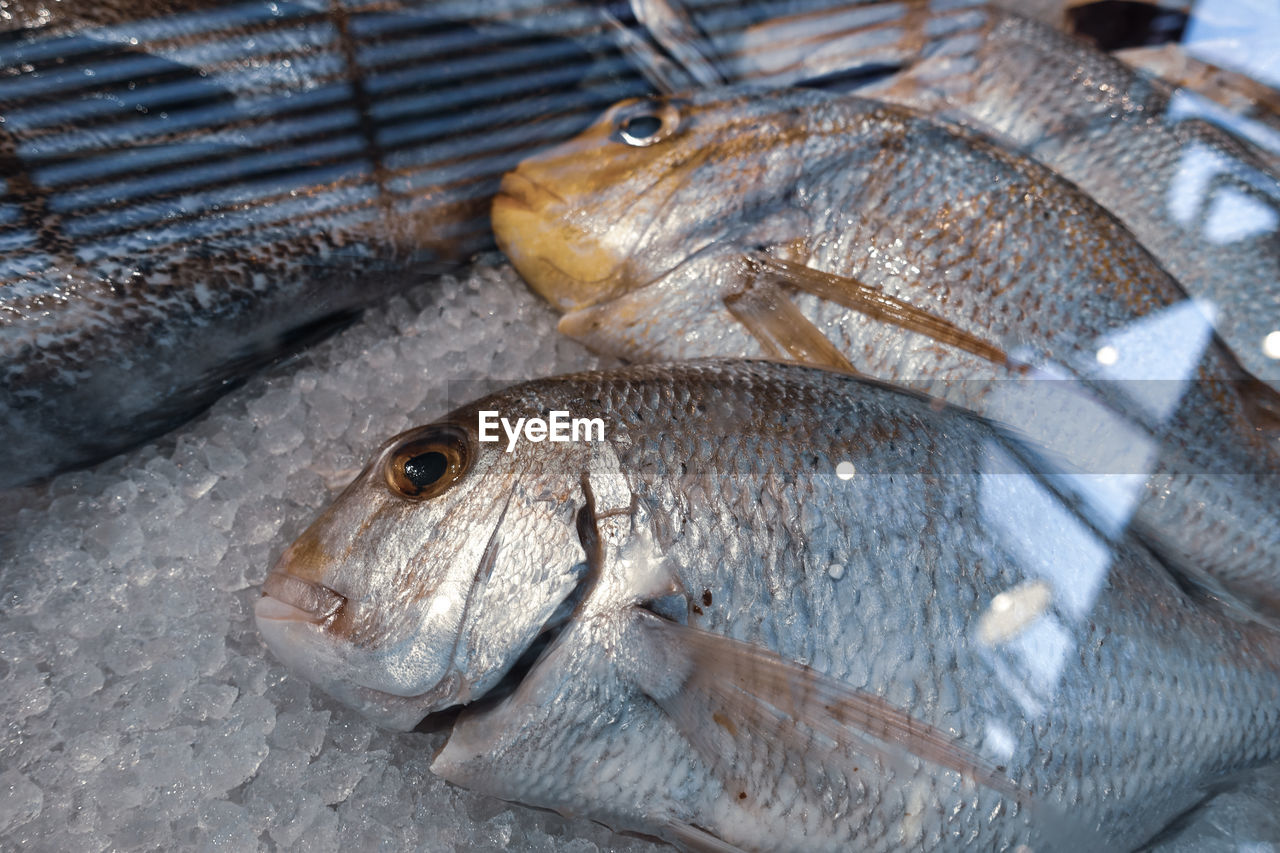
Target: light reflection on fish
(1232,99)
(184,197)
(863,236)
(786,610)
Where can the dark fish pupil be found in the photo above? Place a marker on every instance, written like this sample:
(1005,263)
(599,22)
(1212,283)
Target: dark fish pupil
(425,468)
(641,128)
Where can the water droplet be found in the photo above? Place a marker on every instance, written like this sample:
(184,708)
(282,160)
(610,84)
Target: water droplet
(836,571)
(845,470)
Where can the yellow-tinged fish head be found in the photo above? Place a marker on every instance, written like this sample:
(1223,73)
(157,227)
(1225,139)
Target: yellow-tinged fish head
(610,211)
(414,591)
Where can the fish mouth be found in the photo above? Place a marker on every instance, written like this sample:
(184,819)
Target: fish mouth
(520,191)
(533,227)
(289,598)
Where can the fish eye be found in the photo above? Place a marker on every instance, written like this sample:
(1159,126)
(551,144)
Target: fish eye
(425,469)
(426,466)
(642,123)
(640,130)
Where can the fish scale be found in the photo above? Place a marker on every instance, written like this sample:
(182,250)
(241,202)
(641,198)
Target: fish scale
(685,696)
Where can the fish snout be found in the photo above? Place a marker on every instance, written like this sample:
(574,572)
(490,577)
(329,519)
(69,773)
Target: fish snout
(538,232)
(521,191)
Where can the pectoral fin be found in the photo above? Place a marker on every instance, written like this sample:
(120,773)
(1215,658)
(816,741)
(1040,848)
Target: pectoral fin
(874,303)
(663,74)
(739,698)
(783,332)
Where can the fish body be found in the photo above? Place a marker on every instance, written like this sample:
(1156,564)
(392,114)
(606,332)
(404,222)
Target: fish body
(1199,189)
(185,198)
(862,235)
(787,609)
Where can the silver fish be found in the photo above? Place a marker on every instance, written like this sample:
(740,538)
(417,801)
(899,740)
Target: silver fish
(785,609)
(1176,169)
(864,236)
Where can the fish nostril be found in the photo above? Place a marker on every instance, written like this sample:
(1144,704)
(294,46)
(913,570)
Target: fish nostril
(306,559)
(315,599)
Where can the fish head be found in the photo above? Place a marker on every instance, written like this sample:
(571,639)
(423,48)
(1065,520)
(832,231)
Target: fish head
(429,576)
(650,184)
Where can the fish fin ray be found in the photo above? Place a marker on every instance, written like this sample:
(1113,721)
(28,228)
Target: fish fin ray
(783,332)
(661,72)
(876,304)
(669,24)
(736,688)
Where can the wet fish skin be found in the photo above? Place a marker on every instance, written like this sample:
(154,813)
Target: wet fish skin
(711,512)
(647,247)
(1202,200)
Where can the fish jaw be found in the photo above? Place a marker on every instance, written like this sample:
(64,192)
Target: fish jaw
(308,651)
(681,315)
(561,261)
(393,683)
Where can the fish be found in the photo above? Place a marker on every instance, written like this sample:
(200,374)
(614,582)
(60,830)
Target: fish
(864,236)
(772,607)
(187,198)
(1197,185)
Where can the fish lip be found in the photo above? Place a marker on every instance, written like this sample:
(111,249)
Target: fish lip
(272,609)
(296,599)
(521,191)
